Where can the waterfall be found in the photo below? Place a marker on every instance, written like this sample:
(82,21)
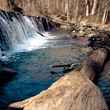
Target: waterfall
(19,32)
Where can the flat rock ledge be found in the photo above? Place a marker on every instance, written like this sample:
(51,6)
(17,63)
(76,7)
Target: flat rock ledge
(74,91)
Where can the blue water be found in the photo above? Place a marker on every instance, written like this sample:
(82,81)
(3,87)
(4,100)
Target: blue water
(34,69)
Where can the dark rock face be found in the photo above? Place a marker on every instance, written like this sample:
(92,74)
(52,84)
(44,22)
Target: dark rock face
(100,40)
(18,9)
(46,23)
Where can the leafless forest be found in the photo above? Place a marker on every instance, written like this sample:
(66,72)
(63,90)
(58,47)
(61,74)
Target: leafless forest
(68,10)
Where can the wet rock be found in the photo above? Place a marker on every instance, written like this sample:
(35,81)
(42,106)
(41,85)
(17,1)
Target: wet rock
(93,65)
(46,23)
(102,39)
(74,91)
(18,9)
(84,30)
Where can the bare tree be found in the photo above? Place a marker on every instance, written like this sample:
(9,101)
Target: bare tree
(67,10)
(87,7)
(93,11)
(105,15)
(77,9)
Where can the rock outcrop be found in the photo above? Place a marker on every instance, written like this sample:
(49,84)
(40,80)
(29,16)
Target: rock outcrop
(74,91)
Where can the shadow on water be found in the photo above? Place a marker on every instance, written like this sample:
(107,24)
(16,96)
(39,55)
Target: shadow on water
(6,75)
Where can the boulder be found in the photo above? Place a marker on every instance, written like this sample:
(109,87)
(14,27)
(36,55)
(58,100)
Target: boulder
(93,65)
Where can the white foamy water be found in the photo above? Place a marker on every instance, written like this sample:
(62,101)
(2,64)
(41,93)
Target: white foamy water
(31,44)
(49,35)
(21,33)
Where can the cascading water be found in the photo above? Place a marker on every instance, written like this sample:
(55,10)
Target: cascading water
(19,33)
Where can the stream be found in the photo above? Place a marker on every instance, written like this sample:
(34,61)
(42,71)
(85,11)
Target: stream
(34,66)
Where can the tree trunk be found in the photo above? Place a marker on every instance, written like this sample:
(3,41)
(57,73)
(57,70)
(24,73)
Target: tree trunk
(93,12)
(57,4)
(48,5)
(105,15)
(77,10)
(87,7)
(68,11)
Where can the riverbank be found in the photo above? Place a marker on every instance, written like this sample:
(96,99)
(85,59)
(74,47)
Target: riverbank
(82,29)
(98,35)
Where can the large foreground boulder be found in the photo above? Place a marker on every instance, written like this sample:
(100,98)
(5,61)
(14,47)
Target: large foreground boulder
(74,91)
